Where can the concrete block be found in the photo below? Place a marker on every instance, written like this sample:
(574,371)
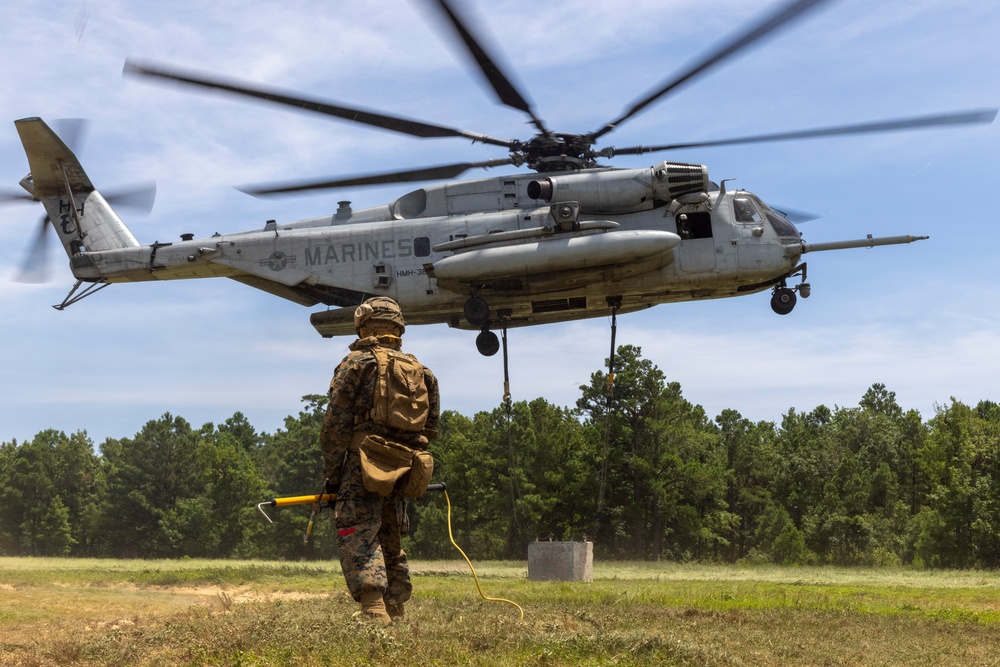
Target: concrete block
(561,561)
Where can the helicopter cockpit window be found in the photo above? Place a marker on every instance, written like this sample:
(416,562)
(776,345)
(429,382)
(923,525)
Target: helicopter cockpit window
(745,210)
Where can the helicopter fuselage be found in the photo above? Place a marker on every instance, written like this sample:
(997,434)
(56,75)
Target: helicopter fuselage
(510,250)
(435,247)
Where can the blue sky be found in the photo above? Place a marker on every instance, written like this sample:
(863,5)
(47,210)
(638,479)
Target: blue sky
(922,319)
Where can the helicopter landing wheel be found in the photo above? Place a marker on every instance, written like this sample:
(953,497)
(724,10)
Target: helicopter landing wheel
(476,310)
(783,300)
(487,343)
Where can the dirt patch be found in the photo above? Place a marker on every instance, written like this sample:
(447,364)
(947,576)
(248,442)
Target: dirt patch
(240,594)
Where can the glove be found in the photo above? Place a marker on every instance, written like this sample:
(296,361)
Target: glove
(330,485)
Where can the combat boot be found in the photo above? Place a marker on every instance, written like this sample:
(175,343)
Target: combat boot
(372,606)
(395,609)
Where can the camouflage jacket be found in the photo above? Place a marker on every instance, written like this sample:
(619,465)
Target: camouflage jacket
(352,391)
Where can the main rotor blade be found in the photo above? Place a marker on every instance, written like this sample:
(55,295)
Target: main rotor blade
(394,123)
(505,89)
(423,174)
(959,118)
(754,34)
(35,268)
(795,215)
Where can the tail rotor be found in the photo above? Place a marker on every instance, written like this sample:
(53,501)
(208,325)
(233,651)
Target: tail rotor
(138,198)
(35,268)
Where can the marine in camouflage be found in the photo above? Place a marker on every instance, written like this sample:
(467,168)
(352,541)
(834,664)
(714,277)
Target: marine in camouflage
(369,527)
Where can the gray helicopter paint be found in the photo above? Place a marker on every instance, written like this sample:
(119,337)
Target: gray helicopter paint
(622,239)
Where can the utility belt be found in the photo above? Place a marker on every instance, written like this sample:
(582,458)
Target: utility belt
(388,465)
(367,425)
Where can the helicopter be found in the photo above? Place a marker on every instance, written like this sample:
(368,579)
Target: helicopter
(572,239)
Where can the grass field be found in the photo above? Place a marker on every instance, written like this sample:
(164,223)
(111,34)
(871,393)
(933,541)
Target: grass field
(107,612)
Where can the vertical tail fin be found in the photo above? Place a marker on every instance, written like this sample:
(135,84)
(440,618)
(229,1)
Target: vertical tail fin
(83,219)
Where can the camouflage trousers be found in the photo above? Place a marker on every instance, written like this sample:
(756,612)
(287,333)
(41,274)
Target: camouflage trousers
(370,529)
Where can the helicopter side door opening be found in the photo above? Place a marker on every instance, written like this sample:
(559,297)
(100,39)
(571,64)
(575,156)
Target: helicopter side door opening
(697,249)
(694,225)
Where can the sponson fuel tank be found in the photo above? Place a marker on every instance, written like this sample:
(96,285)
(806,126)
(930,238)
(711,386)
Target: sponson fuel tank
(560,253)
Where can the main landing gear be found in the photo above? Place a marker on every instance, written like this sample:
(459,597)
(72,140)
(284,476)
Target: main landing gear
(783,297)
(477,312)
(487,342)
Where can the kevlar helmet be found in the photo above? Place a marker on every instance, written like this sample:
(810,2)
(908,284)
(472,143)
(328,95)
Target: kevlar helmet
(379,308)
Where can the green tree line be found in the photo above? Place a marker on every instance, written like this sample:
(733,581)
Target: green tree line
(633,467)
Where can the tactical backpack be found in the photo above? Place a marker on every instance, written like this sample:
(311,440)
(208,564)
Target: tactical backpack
(401,402)
(401,399)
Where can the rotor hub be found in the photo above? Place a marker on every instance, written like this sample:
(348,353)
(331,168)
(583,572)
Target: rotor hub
(555,152)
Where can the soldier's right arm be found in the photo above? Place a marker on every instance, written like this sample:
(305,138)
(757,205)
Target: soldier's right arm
(338,422)
(434,413)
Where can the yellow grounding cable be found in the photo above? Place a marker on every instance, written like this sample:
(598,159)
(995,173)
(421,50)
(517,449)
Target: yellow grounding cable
(474,575)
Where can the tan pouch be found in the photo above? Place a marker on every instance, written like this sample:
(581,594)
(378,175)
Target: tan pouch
(382,463)
(421,471)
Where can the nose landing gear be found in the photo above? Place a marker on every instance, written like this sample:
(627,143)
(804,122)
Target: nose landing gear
(783,297)
(783,300)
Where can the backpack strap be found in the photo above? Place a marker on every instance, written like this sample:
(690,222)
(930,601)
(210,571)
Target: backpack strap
(381,355)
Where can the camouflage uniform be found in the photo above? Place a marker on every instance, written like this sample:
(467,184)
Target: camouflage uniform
(369,527)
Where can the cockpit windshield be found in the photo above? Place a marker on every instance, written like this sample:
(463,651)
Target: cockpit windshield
(749,210)
(745,210)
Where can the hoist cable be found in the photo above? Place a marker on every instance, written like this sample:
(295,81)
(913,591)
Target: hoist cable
(611,357)
(603,473)
(506,368)
(508,406)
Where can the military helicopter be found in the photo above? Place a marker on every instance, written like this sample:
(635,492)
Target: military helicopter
(572,239)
